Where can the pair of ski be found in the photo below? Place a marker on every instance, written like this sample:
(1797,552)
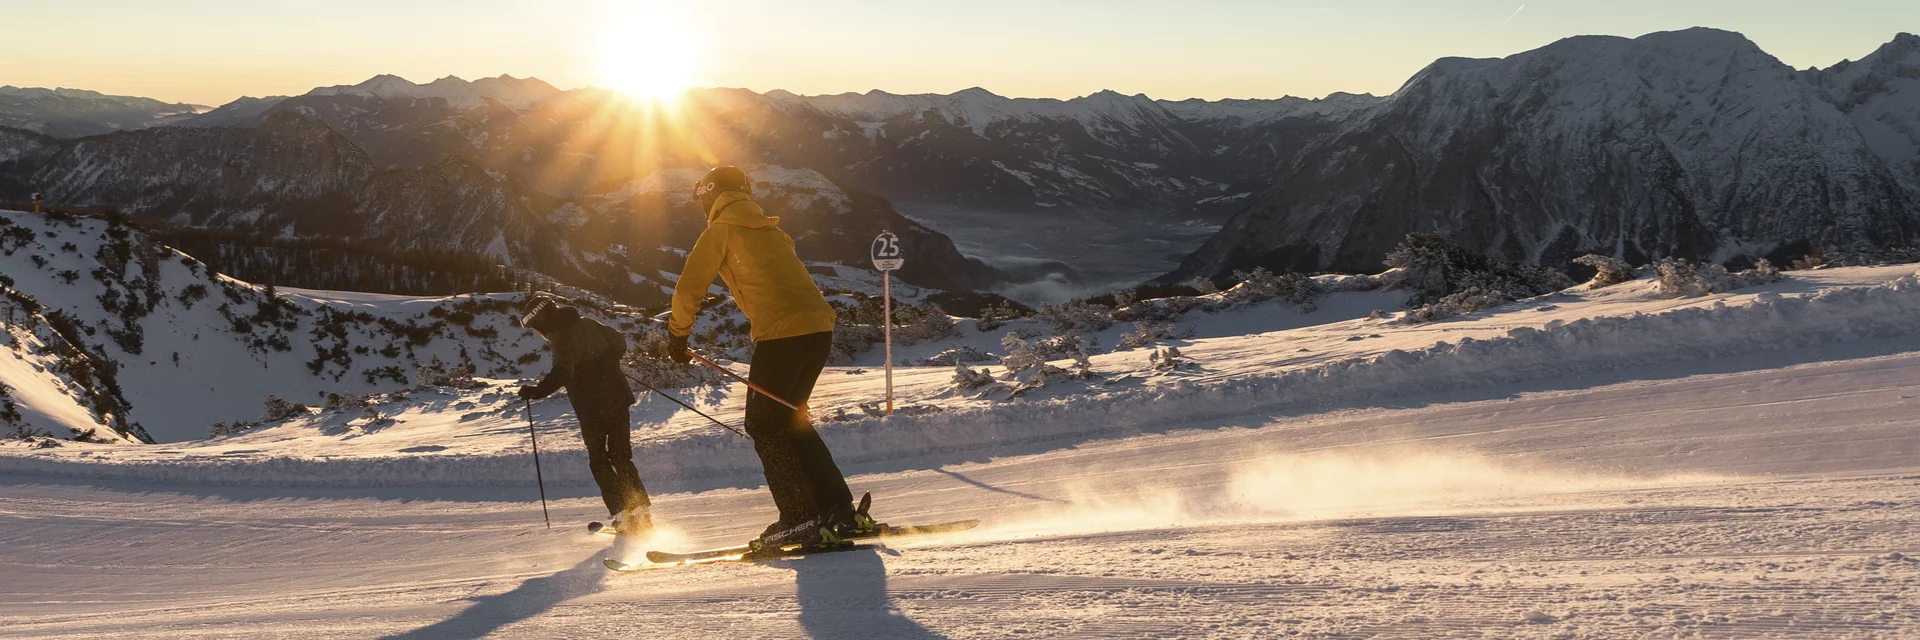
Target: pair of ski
(745,553)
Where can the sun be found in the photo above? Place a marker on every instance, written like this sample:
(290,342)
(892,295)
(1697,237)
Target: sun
(649,54)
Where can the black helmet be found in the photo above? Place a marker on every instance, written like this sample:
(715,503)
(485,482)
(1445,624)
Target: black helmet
(542,311)
(721,180)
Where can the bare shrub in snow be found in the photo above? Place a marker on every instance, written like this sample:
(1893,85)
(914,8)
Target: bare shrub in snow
(1161,310)
(275,409)
(1203,285)
(1514,281)
(1448,280)
(1145,334)
(966,379)
(1612,271)
(437,375)
(1076,317)
(1169,359)
(10,412)
(1863,257)
(647,360)
(1021,354)
(224,428)
(851,340)
(344,401)
(961,355)
(1345,282)
(1434,268)
(1425,265)
(915,324)
(1816,257)
(997,316)
(859,325)
(1458,304)
(1261,285)
(374,418)
(1679,277)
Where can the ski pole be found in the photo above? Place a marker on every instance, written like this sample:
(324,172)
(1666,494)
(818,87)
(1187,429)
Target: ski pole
(736,376)
(539,477)
(688,406)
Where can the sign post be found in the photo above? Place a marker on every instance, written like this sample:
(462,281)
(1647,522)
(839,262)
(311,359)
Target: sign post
(887,256)
(36,203)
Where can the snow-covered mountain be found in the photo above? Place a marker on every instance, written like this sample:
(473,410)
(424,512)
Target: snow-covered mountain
(1692,143)
(969,148)
(79,112)
(245,111)
(69,112)
(1881,93)
(295,176)
(1129,165)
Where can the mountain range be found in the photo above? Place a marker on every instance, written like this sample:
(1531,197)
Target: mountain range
(79,112)
(1692,143)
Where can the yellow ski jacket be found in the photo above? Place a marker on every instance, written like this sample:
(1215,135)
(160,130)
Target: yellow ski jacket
(746,247)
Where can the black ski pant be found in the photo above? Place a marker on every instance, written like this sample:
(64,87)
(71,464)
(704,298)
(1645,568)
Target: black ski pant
(800,471)
(604,424)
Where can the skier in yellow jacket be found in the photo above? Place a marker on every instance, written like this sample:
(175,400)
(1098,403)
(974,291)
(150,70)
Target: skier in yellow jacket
(792,336)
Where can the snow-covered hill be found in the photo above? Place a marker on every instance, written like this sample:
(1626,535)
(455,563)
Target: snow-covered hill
(173,348)
(79,112)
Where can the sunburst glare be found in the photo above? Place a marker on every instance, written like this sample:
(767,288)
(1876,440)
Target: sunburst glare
(648,52)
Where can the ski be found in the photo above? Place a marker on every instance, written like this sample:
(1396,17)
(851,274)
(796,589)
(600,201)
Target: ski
(788,552)
(736,552)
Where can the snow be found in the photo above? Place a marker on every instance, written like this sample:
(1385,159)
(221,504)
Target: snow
(1591,463)
(47,403)
(1881,93)
(1752,496)
(195,369)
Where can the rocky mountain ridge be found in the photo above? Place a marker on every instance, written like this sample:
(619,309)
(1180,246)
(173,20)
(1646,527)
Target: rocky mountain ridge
(1693,143)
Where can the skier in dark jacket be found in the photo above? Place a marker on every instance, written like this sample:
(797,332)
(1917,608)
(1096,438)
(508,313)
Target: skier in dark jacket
(586,360)
(792,336)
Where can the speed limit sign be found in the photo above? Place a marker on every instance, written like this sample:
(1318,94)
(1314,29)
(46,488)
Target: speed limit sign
(886,252)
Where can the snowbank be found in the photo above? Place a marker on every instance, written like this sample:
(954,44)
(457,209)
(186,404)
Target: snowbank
(1625,326)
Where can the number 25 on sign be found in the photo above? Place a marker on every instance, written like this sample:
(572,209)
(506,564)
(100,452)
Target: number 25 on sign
(887,256)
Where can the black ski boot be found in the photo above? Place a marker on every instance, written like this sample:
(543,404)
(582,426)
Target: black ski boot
(825,531)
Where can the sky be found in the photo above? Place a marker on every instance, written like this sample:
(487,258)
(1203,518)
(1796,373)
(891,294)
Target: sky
(212,51)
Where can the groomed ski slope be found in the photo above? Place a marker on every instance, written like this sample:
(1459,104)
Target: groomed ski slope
(1602,464)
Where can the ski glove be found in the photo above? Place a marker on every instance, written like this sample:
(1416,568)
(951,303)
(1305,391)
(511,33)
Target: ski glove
(677,349)
(533,393)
